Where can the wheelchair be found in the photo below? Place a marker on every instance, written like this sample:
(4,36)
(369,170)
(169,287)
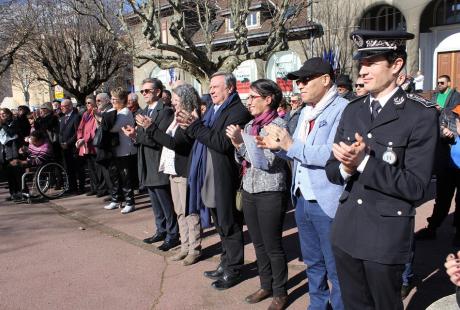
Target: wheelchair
(49,181)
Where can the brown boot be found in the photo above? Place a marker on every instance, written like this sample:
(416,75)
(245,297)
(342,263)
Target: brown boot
(191,259)
(278,303)
(257,296)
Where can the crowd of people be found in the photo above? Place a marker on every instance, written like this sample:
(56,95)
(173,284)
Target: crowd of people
(352,164)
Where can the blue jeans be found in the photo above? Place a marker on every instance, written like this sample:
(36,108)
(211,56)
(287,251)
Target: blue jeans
(314,230)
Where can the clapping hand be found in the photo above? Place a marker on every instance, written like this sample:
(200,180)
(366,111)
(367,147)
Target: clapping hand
(350,155)
(234,133)
(452,265)
(143,121)
(277,138)
(129,131)
(184,118)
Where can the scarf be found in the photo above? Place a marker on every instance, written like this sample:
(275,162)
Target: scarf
(260,121)
(168,156)
(311,113)
(198,166)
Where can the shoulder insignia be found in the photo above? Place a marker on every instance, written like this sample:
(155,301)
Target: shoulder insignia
(398,100)
(423,101)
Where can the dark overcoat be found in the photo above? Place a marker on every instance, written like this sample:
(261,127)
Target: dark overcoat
(149,150)
(375,217)
(225,168)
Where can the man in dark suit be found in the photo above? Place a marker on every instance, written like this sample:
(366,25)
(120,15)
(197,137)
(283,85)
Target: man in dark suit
(213,177)
(383,154)
(148,155)
(67,137)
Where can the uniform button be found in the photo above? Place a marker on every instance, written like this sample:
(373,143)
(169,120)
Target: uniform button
(299,171)
(369,135)
(399,213)
(359,201)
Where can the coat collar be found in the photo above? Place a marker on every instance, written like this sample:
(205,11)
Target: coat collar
(389,113)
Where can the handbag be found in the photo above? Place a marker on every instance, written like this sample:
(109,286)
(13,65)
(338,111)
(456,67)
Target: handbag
(239,197)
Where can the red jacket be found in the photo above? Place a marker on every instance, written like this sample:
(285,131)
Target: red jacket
(86,131)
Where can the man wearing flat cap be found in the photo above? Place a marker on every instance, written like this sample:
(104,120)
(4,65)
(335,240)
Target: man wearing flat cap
(383,154)
(316,199)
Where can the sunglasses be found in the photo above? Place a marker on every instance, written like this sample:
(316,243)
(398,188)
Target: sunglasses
(304,80)
(359,85)
(441,83)
(146,91)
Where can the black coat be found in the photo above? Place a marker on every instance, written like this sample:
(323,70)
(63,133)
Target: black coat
(9,150)
(181,144)
(149,150)
(375,218)
(68,130)
(49,125)
(226,171)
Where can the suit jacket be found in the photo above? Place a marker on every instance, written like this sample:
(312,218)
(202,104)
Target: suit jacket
(68,130)
(149,149)
(292,120)
(225,168)
(315,152)
(375,218)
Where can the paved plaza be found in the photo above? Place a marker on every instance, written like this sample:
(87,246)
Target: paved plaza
(70,253)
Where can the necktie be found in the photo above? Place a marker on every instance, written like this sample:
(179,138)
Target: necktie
(376,107)
(66,119)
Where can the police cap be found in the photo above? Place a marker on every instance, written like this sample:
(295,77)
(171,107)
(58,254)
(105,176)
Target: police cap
(372,43)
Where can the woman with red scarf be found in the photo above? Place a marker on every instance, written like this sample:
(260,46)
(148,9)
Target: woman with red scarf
(85,135)
(264,192)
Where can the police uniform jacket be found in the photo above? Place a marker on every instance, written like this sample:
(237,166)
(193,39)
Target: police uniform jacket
(375,218)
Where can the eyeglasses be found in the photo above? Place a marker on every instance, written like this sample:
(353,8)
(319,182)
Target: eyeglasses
(441,83)
(359,85)
(251,97)
(89,102)
(146,91)
(305,79)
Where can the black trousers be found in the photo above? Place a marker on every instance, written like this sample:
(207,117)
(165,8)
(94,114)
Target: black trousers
(13,177)
(73,165)
(120,175)
(90,160)
(367,285)
(231,238)
(264,215)
(105,184)
(446,183)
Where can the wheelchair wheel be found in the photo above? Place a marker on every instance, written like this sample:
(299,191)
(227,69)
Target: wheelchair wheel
(51,180)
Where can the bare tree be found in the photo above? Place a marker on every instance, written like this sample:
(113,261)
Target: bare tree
(76,52)
(15,30)
(24,74)
(338,19)
(194,26)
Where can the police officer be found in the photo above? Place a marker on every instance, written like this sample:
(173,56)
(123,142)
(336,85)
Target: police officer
(383,154)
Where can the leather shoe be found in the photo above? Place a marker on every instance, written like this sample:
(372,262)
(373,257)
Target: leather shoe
(214,274)
(226,281)
(257,296)
(168,245)
(154,238)
(91,193)
(278,303)
(101,194)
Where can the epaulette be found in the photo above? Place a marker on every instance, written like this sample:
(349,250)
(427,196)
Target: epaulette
(423,101)
(357,99)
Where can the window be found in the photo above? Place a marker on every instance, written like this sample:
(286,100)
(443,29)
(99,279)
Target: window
(447,12)
(252,20)
(384,18)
